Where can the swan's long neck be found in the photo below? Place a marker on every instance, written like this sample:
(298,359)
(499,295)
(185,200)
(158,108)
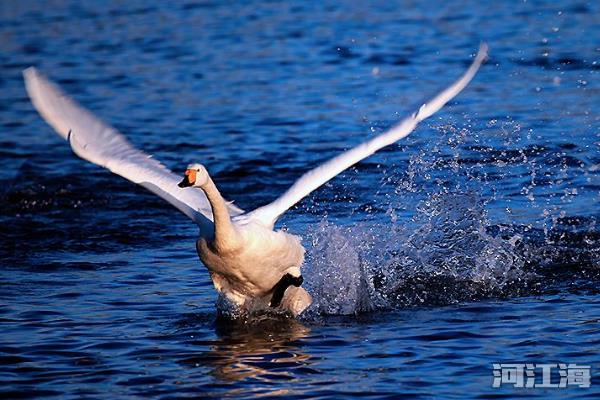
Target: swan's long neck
(225,235)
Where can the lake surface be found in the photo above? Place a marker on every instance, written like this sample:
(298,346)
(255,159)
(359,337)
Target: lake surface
(474,241)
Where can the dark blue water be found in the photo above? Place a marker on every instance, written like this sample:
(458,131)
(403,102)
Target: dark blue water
(474,241)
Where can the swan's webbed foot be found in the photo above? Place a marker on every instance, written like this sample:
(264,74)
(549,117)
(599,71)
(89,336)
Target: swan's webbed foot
(282,285)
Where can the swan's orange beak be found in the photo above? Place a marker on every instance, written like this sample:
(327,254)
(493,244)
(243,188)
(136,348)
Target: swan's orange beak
(188,179)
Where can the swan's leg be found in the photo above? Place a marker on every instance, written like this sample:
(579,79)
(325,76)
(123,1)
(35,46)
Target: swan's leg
(282,285)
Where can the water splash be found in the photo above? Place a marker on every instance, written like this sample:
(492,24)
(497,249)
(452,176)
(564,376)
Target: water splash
(339,276)
(446,255)
(455,230)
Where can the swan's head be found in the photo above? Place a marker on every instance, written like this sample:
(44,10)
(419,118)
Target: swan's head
(195,175)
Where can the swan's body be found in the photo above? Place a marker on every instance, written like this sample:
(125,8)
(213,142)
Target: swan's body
(247,273)
(251,265)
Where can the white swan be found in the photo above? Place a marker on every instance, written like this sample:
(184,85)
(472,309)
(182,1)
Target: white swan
(251,265)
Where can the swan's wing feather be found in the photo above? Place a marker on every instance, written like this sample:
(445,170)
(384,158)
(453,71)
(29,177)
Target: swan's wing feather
(94,141)
(313,179)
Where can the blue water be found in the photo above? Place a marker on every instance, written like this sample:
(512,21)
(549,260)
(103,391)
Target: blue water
(474,241)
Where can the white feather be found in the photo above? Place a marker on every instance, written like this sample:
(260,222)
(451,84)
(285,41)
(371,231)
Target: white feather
(313,179)
(93,140)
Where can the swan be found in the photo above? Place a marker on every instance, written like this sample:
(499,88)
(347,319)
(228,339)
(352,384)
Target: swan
(252,266)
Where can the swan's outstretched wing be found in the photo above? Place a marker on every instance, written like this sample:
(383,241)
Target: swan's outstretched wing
(93,140)
(313,179)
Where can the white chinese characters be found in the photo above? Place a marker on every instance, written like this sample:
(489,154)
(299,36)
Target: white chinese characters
(524,375)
